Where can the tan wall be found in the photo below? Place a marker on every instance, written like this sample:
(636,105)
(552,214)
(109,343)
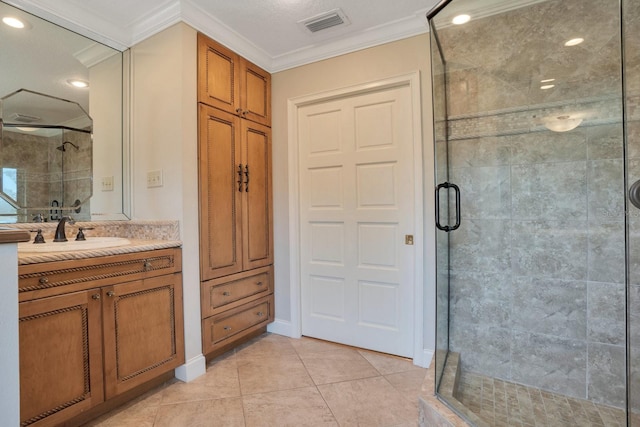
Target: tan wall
(367,65)
(164,136)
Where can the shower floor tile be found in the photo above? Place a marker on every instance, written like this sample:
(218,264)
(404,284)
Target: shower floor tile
(501,403)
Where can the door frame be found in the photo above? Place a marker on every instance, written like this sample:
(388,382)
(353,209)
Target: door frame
(412,80)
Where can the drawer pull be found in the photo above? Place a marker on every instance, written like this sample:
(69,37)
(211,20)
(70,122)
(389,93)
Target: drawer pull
(259,283)
(260,314)
(226,293)
(43,280)
(111,293)
(147,265)
(95,296)
(227,328)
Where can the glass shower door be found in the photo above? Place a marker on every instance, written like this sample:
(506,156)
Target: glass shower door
(631,41)
(532,289)
(442,210)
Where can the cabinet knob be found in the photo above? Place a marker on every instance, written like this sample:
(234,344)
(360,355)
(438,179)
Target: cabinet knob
(43,280)
(111,293)
(258,283)
(95,296)
(260,314)
(147,265)
(239,111)
(227,328)
(226,293)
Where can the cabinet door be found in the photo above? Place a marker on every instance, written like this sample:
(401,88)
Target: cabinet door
(143,331)
(255,93)
(218,68)
(257,199)
(60,357)
(221,179)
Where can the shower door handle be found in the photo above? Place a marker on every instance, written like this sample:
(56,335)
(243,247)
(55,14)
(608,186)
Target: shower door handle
(447,228)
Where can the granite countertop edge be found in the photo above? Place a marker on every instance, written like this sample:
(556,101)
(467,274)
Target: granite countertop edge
(136,245)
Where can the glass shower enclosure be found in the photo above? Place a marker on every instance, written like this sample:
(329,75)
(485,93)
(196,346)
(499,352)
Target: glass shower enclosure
(537,147)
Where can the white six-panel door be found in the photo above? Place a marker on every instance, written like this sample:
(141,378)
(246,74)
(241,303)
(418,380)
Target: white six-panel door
(356,207)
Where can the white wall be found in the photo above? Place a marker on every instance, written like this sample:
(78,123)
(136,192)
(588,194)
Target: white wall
(367,65)
(164,137)
(9,355)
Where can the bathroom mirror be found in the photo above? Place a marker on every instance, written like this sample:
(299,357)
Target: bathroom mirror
(63,140)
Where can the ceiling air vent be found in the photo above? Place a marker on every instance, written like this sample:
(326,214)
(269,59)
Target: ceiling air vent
(325,20)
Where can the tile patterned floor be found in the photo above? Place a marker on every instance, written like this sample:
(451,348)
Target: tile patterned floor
(505,404)
(279,381)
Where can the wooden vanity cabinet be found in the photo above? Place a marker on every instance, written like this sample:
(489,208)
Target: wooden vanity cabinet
(231,83)
(119,327)
(236,212)
(60,357)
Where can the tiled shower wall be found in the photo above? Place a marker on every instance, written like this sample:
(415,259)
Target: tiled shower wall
(537,290)
(537,279)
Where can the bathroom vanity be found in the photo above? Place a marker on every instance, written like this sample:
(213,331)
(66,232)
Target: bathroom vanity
(97,327)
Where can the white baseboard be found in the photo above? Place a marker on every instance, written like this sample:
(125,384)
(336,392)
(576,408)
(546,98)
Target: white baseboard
(192,369)
(423,359)
(282,327)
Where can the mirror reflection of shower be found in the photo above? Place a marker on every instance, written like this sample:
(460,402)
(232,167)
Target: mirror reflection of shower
(62,148)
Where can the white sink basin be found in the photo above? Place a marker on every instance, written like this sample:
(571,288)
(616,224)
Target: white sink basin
(73,245)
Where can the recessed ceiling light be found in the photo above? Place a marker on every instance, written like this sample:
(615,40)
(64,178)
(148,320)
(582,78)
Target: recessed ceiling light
(545,87)
(574,42)
(461,19)
(13,22)
(547,80)
(78,83)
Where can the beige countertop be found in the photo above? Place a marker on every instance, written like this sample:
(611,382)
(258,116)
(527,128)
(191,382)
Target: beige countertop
(136,245)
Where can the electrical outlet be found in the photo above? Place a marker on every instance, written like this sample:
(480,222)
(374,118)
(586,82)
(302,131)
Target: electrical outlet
(154,179)
(107,183)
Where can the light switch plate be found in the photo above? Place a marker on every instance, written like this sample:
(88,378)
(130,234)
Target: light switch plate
(154,178)
(107,183)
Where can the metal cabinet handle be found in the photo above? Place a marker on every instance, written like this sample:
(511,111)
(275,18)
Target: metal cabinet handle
(240,178)
(227,328)
(147,265)
(43,280)
(239,111)
(110,293)
(226,293)
(246,183)
(447,228)
(259,283)
(95,296)
(260,314)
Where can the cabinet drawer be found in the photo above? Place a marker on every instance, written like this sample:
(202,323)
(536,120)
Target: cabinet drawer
(221,293)
(57,277)
(220,329)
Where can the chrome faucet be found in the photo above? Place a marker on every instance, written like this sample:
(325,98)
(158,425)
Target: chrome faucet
(60,231)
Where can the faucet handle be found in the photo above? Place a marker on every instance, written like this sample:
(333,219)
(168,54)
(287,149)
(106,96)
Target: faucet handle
(38,218)
(39,237)
(80,236)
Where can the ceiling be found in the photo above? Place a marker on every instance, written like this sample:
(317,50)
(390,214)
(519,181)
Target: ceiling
(267,32)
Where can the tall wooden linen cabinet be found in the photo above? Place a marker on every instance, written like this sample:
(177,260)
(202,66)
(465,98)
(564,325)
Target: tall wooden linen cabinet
(236,224)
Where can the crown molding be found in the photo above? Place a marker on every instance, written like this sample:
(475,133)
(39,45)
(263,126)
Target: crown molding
(400,29)
(153,23)
(211,26)
(174,11)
